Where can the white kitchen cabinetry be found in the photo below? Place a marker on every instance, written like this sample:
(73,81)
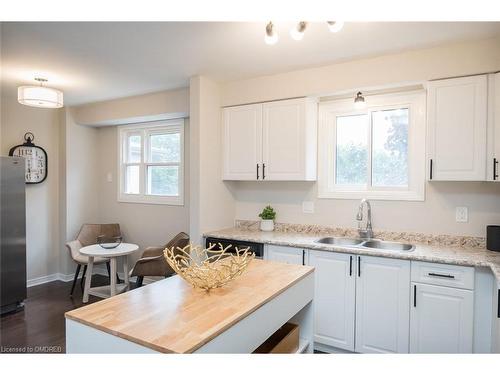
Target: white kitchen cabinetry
(334,298)
(493,157)
(382,305)
(442,308)
(284,254)
(457,128)
(441,319)
(273,141)
(289,140)
(242,142)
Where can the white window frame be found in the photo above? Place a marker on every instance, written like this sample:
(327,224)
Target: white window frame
(145,130)
(415,101)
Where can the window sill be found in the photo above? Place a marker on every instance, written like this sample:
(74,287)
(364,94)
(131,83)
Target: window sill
(373,195)
(141,199)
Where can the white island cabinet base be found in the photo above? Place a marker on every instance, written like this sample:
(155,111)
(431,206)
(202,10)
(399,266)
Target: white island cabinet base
(295,304)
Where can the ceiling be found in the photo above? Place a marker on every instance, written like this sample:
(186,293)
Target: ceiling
(98,61)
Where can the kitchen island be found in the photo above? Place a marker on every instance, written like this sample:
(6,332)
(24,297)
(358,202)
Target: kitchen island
(170,316)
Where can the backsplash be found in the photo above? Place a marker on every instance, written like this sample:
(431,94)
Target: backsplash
(410,237)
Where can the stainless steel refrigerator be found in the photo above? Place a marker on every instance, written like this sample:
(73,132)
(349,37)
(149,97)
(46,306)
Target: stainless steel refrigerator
(13,233)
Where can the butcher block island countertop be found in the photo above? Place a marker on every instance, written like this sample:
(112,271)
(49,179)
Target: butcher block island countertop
(170,316)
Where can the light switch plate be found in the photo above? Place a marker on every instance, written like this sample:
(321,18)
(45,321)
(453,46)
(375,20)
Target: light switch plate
(308,207)
(109,177)
(461,214)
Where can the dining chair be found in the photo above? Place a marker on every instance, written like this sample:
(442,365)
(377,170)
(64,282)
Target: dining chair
(152,261)
(88,236)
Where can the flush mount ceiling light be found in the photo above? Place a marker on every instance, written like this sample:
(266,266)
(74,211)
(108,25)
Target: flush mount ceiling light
(297,32)
(359,100)
(271,34)
(40,96)
(335,26)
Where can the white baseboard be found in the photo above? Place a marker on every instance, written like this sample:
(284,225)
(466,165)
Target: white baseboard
(42,280)
(69,277)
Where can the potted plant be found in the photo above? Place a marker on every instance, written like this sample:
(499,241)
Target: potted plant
(267,215)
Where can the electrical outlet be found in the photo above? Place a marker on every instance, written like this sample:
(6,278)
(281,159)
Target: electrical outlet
(461,214)
(109,177)
(308,207)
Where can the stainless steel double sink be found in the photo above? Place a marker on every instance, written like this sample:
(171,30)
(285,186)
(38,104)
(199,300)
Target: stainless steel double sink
(366,243)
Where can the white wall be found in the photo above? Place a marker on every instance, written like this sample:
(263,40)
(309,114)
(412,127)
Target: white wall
(42,200)
(143,224)
(437,213)
(150,107)
(213,204)
(419,65)
(80,176)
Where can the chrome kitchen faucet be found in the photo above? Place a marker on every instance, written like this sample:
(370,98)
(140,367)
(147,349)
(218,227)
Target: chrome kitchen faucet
(368,231)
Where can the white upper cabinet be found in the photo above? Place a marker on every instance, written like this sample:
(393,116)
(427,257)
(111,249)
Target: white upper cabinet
(334,298)
(273,141)
(242,142)
(493,158)
(289,140)
(382,305)
(457,124)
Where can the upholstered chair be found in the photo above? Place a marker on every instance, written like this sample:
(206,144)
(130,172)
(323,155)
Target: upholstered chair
(88,236)
(152,261)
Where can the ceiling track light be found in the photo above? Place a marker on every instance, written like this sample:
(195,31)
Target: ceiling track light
(297,32)
(335,26)
(271,34)
(359,101)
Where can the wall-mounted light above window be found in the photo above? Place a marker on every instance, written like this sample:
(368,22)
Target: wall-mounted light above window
(40,96)
(359,101)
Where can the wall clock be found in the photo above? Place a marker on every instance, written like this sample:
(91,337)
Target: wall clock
(36,159)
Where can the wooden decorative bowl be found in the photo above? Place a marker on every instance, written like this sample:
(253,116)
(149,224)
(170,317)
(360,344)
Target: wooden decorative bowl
(208,268)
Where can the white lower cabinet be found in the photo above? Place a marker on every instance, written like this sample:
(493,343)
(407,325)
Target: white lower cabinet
(284,254)
(361,302)
(441,319)
(382,305)
(368,304)
(334,298)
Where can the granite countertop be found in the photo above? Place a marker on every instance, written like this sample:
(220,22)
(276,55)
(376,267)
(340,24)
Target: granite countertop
(458,255)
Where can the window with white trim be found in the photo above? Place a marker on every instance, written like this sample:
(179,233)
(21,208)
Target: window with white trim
(377,152)
(151,162)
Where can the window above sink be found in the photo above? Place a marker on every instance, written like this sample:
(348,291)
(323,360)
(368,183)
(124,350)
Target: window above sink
(377,152)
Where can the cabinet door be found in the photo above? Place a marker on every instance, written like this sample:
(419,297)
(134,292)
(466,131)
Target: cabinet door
(457,123)
(493,157)
(334,298)
(285,254)
(242,146)
(289,138)
(441,319)
(382,305)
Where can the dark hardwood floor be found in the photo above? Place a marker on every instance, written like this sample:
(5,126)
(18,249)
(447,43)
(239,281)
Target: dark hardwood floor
(40,327)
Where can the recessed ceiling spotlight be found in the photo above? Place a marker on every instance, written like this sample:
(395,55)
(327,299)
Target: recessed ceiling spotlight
(297,32)
(40,96)
(271,34)
(335,26)
(359,101)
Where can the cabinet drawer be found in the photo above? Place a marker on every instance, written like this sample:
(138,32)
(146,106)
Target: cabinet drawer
(442,274)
